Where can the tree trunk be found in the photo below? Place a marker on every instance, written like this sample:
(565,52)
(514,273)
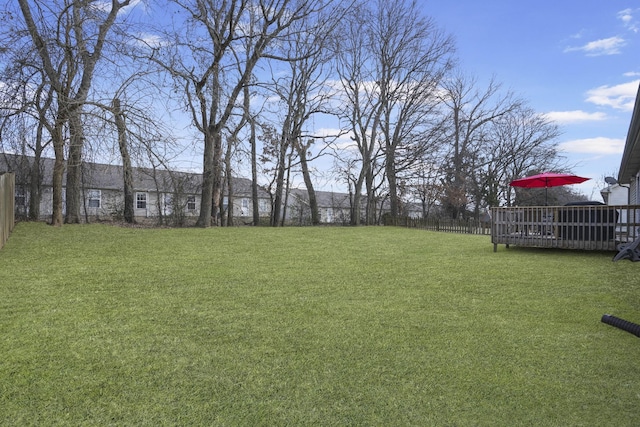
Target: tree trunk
(254,174)
(356,202)
(204,219)
(216,202)
(313,201)
(58,174)
(393,186)
(287,189)
(370,210)
(278,199)
(127,170)
(356,206)
(227,162)
(74,169)
(35,186)
(255,203)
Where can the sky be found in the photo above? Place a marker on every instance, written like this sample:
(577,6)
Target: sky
(577,61)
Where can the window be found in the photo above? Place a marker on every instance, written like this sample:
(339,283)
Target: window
(141,200)
(264,205)
(21,197)
(329,214)
(93,198)
(168,203)
(21,201)
(191,203)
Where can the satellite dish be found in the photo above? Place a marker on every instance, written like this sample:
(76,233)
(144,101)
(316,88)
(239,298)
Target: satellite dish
(610,180)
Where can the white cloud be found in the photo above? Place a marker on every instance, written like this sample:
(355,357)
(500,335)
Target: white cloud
(106,6)
(629,22)
(580,34)
(574,116)
(328,132)
(610,46)
(151,40)
(599,145)
(620,97)
(341,139)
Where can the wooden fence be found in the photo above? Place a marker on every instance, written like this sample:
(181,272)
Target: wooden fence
(461,226)
(7,206)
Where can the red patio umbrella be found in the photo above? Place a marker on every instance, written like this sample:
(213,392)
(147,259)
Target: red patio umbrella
(546,180)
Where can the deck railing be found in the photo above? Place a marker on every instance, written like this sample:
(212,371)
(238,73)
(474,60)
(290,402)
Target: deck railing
(589,227)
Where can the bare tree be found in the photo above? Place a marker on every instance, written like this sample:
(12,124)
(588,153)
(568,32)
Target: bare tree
(25,119)
(424,183)
(69,37)
(521,141)
(232,145)
(251,121)
(412,56)
(303,92)
(119,118)
(312,92)
(361,108)
(205,62)
(390,60)
(471,111)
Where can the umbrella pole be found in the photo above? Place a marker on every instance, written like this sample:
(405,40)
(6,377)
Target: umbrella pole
(546,199)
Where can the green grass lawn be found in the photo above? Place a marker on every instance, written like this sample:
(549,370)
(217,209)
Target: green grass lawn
(102,325)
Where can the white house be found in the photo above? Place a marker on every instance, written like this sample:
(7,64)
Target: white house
(162,195)
(171,196)
(629,173)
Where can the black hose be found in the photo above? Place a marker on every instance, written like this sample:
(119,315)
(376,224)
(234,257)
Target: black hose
(630,327)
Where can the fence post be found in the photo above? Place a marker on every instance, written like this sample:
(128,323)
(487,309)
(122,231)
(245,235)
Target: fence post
(7,206)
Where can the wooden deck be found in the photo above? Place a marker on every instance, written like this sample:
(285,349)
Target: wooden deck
(589,227)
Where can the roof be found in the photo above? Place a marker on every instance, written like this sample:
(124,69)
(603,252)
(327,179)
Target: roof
(329,199)
(324,199)
(109,177)
(630,164)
